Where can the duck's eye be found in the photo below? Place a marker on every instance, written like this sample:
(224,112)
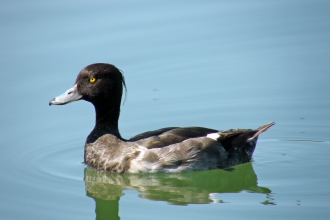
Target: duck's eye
(92,79)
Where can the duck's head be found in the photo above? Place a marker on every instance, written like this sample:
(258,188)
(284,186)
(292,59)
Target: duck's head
(99,83)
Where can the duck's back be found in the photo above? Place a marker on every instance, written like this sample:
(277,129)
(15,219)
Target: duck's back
(171,135)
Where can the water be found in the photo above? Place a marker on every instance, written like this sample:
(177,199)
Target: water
(216,64)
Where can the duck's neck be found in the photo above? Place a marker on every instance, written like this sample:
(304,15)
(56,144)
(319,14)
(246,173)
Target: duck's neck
(106,121)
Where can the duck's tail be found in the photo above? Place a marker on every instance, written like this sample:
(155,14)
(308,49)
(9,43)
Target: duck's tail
(240,143)
(261,129)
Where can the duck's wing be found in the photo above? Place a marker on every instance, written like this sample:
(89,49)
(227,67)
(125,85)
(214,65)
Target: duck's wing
(199,148)
(168,136)
(148,134)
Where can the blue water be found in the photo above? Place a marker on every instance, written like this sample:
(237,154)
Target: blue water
(215,64)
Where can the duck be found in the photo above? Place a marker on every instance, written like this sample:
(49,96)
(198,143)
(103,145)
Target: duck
(170,149)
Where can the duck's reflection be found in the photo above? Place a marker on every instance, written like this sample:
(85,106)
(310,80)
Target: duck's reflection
(179,188)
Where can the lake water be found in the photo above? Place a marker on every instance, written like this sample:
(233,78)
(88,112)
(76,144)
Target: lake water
(217,64)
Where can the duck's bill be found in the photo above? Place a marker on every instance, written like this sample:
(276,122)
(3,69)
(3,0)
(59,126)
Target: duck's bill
(69,96)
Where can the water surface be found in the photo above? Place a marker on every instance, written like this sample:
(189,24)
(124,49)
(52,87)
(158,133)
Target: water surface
(216,64)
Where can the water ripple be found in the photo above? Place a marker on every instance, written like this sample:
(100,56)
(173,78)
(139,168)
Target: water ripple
(49,165)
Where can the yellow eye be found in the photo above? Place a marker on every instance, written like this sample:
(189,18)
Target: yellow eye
(92,79)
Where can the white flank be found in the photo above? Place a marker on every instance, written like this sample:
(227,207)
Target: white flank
(137,165)
(213,136)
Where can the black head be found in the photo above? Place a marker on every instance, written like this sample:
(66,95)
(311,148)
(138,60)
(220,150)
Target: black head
(101,82)
(102,85)
(98,83)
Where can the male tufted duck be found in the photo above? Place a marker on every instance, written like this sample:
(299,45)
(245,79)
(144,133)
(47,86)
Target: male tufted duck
(172,149)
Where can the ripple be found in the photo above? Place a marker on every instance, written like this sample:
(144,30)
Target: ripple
(48,163)
(301,140)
